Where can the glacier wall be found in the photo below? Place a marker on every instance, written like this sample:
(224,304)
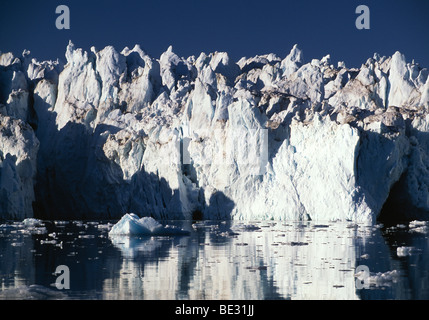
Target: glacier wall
(113,132)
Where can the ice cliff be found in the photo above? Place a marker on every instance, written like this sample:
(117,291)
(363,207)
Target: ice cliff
(113,132)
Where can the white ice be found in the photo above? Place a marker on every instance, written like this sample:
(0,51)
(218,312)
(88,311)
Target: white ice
(112,130)
(130,224)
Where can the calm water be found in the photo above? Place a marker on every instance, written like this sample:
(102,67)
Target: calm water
(218,260)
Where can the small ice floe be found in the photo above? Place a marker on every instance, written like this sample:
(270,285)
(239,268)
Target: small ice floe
(106,226)
(382,279)
(34,226)
(27,226)
(52,235)
(418,226)
(131,225)
(79,223)
(32,222)
(405,251)
(37,230)
(17,244)
(60,222)
(86,236)
(47,241)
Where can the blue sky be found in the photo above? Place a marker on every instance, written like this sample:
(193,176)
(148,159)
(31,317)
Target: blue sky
(240,27)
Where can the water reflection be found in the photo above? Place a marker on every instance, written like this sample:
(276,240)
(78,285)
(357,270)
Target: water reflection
(218,260)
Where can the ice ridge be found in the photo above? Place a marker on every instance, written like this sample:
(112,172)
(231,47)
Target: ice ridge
(107,133)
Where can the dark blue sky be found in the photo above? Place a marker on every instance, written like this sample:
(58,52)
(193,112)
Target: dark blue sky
(240,27)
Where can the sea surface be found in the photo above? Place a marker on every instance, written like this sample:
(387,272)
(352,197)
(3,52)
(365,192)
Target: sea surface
(221,260)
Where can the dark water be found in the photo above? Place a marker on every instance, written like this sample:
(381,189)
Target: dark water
(218,260)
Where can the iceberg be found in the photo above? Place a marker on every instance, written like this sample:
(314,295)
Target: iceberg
(131,225)
(107,133)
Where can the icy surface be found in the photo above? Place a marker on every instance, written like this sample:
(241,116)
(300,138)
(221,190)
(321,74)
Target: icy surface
(18,154)
(132,225)
(174,137)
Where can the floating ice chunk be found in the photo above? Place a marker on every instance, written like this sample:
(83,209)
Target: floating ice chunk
(53,241)
(37,230)
(78,223)
(131,224)
(404,251)
(34,226)
(106,226)
(418,226)
(420,229)
(86,236)
(384,278)
(32,222)
(417,223)
(27,226)
(60,222)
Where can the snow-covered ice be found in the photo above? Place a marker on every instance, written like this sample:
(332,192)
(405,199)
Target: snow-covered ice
(110,132)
